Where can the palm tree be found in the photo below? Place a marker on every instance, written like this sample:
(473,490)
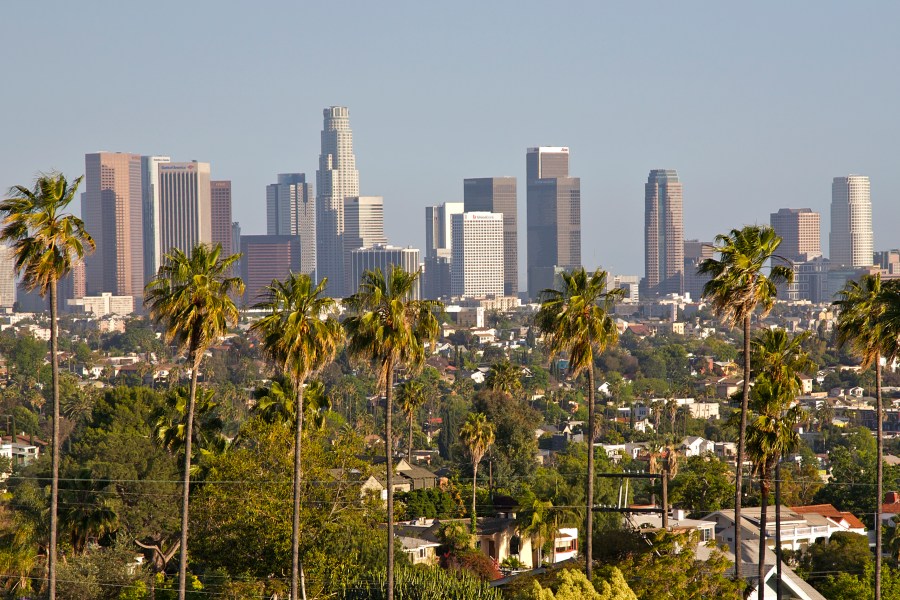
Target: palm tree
(477,435)
(770,436)
(782,359)
(539,525)
(390,328)
(504,377)
(86,514)
(412,397)
(736,288)
(301,336)
(191,297)
(577,320)
(868,323)
(46,243)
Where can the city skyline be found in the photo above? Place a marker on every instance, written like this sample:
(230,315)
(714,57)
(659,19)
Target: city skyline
(771,109)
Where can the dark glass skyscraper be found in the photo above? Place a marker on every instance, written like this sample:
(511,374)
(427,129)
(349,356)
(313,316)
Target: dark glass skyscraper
(554,217)
(498,195)
(663,234)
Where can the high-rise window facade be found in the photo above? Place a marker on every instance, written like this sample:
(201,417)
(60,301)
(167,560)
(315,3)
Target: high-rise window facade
(220,215)
(291,210)
(498,195)
(800,233)
(477,265)
(663,234)
(553,206)
(184,206)
(851,240)
(336,179)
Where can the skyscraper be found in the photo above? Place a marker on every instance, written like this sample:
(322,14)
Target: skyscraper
(498,195)
(291,210)
(150,195)
(851,240)
(336,179)
(220,215)
(554,217)
(477,264)
(112,209)
(363,227)
(800,233)
(184,207)
(7,277)
(695,252)
(438,232)
(264,258)
(663,234)
(384,257)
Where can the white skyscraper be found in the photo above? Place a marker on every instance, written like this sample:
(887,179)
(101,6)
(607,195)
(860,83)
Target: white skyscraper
(363,227)
(291,210)
(150,197)
(184,207)
(384,257)
(7,277)
(336,179)
(851,240)
(438,233)
(477,265)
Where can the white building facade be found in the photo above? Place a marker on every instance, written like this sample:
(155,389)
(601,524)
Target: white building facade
(477,265)
(851,240)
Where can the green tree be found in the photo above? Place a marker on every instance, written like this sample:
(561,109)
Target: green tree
(390,329)
(412,397)
(737,286)
(570,584)
(86,514)
(504,377)
(191,297)
(477,435)
(46,243)
(300,335)
(862,326)
(577,320)
(702,485)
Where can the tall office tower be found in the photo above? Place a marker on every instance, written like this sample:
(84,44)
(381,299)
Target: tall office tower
(799,231)
(663,234)
(696,252)
(477,269)
(7,277)
(363,227)
(236,243)
(498,195)
(553,209)
(851,238)
(220,215)
(291,210)
(72,286)
(384,257)
(438,235)
(267,257)
(112,209)
(336,179)
(184,207)
(150,199)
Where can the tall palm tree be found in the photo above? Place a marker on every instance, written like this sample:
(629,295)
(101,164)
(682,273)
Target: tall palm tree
(46,243)
(477,435)
(737,287)
(577,319)
(868,323)
(191,297)
(412,397)
(504,377)
(276,403)
(390,328)
(782,359)
(301,336)
(770,435)
(86,514)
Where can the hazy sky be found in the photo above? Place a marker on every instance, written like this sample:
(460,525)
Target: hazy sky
(756,105)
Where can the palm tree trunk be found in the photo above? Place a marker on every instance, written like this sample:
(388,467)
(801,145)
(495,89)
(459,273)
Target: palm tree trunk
(763,503)
(745,397)
(295,526)
(589,516)
(389,447)
(778,551)
(54,460)
(879,473)
(474,485)
(410,436)
(186,492)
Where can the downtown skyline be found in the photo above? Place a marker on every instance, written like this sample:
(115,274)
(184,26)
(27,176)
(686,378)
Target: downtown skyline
(764,130)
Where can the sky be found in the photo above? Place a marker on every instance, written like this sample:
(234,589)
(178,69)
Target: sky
(757,105)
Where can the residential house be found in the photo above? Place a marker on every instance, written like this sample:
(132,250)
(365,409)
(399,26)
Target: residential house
(697,446)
